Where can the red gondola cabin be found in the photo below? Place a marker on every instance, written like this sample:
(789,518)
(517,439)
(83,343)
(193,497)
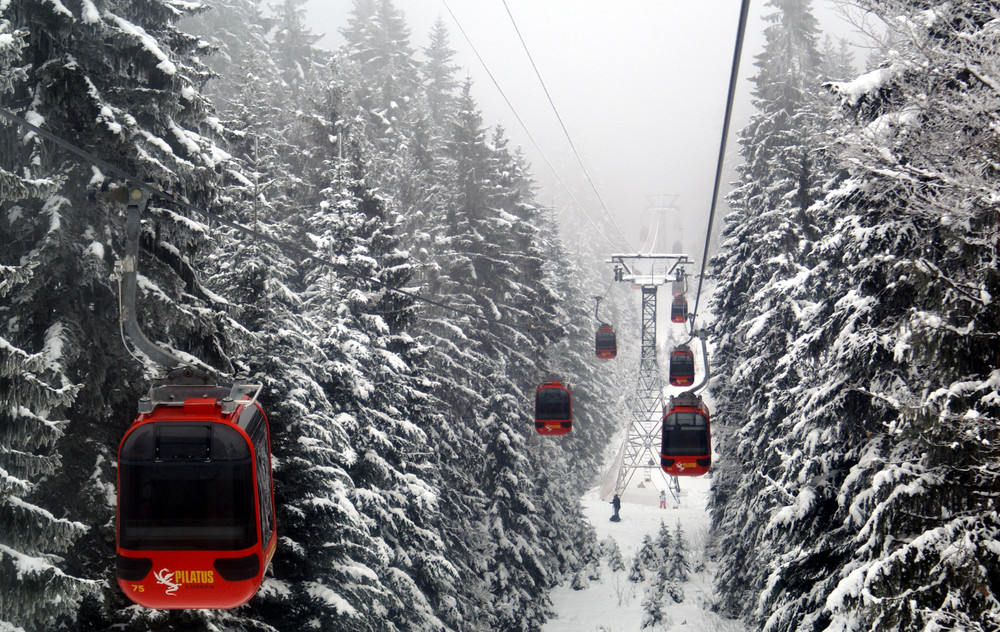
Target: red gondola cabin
(679,310)
(686,446)
(606,343)
(553,409)
(682,366)
(196,525)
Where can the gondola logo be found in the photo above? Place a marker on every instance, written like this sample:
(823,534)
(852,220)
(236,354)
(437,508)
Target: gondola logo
(167,579)
(189,579)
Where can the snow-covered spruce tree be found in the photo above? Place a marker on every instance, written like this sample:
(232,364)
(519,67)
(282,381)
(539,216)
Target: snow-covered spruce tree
(635,570)
(664,541)
(123,83)
(881,514)
(294,50)
(35,390)
(238,32)
(614,554)
(439,76)
(908,330)
(384,73)
(649,555)
(758,301)
(653,615)
(515,573)
(677,563)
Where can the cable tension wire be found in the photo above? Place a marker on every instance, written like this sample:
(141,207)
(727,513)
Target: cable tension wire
(733,76)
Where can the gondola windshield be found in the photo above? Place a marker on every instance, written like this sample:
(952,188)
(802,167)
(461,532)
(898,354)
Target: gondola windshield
(685,433)
(681,364)
(186,486)
(552,404)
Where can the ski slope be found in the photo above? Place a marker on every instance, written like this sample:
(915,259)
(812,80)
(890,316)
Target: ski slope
(613,604)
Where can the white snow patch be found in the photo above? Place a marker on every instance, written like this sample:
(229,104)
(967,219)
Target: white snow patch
(28,565)
(90,13)
(147,41)
(852,91)
(796,511)
(61,8)
(96,249)
(55,337)
(323,593)
(107,116)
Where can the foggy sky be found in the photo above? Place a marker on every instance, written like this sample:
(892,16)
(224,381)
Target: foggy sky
(640,85)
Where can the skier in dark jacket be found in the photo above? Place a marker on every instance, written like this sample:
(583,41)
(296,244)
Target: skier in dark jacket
(616,504)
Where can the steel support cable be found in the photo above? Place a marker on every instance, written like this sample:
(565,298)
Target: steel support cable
(525,128)
(733,75)
(652,242)
(282,246)
(565,131)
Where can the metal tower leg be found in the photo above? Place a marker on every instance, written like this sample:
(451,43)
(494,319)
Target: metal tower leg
(641,448)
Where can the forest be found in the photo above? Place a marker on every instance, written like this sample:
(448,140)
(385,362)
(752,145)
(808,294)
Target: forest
(856,361)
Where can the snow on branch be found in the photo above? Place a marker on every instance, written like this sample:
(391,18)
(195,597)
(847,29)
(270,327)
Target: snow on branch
(147,41)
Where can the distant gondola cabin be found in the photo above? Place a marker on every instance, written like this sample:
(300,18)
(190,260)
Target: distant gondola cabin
(679,310)
(606,343)
(196,521)
(686,440)
(553,409)
(682,366)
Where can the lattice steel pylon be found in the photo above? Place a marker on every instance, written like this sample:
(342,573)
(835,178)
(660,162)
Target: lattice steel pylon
(641,445)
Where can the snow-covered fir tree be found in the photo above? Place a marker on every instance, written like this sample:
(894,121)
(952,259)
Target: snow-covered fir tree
(649,555)
(874,420)
(636,571)
(615,562)
(35,591)
(123,83)
(767,241)
(676,562)
(653,615)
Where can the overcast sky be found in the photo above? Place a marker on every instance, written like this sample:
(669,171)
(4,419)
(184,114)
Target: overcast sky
(640,84)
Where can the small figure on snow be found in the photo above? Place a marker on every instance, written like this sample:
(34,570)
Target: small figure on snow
(616,504)
(663,499)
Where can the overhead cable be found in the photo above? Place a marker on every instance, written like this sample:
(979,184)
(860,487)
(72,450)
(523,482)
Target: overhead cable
(566,131)
(733,76)
(525,128)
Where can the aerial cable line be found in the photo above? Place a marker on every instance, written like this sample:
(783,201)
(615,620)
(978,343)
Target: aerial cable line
(565,131)
(282,246)
(525,128)
(733,75)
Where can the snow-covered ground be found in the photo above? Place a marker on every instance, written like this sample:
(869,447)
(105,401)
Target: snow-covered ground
(613,603)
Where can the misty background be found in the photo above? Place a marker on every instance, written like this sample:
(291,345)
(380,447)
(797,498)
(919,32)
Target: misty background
(640,85)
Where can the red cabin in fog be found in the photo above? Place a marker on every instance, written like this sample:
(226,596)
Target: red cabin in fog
(686,445)
(553,409)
